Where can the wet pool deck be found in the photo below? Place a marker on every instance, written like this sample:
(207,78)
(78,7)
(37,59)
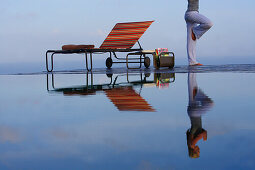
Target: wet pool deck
(238,68)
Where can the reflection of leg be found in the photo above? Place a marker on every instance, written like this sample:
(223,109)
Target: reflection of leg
(196,125)
(191,45)
(192,84)
(204,24)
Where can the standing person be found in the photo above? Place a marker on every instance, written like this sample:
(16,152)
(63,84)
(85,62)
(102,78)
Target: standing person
(197,25)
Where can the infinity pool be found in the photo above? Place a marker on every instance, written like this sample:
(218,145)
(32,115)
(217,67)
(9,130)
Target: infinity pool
(131,120)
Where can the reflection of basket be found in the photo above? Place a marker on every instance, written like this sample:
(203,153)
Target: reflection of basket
(163,80)
(163,58)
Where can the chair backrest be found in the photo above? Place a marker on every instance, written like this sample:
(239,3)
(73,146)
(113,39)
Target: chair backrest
(125,35)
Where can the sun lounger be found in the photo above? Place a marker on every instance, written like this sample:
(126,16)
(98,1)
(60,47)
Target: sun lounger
(122,38)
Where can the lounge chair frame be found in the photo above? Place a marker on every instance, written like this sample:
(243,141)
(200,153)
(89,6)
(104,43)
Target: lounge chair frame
(121,39)
(109,61)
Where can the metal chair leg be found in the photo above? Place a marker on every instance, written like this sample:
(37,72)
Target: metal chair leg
(47,68)
(48,81)
(90,61)
(86,56)
(52,61)
(141,61)
(47,64)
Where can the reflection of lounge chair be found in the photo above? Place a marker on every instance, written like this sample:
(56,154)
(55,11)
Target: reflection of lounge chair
(126,99)
(120,90)
(121,39)
(82,90)
(123,96)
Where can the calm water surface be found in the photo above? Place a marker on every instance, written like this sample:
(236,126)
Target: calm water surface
(127,121)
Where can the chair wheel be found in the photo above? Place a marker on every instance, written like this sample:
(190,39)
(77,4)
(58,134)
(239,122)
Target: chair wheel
(109,75)
(147,74)
(108,62)
(147,62)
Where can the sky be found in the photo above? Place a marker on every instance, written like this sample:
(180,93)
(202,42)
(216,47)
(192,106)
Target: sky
(30,27)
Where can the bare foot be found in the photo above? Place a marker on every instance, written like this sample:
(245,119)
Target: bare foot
(198,64)
(193,36)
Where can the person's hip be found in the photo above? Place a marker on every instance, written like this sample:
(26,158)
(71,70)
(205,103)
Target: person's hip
(189,15)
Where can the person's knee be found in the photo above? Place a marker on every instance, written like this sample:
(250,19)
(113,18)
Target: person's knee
(209,25)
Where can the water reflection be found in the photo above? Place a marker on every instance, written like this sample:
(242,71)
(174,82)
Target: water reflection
(163,80)
(199,104)
(123,90)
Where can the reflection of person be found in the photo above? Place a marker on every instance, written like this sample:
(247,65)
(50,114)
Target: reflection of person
(197,25)
(199,103)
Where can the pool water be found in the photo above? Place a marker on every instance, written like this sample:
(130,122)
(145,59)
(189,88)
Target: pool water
(131,120)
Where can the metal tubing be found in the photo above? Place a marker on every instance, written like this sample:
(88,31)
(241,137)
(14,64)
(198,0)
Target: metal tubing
(139,45)
(52,82)
(87,80)
(91,77)
(126,62)
(134,62)
(52,62)
(91,51)
(110,55)
(114,54)
(47,82)
(90,61)
(141,60)
(47,64)
(127,78)
(111,81)
(86,56)
(114,82)
(47,61)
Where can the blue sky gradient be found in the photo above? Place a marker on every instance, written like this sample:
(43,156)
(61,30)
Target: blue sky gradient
(31,27)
